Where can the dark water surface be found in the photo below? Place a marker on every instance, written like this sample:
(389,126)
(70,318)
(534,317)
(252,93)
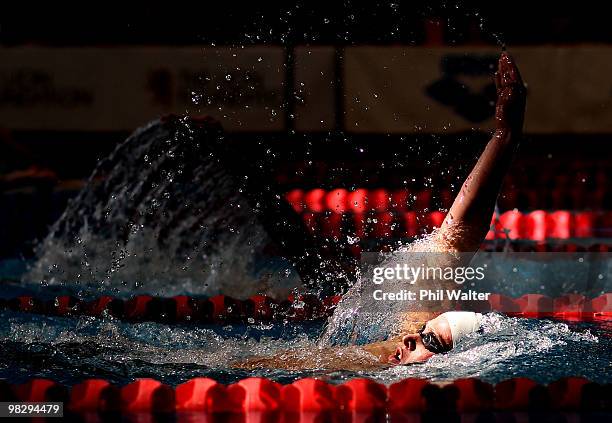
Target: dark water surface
(69,350)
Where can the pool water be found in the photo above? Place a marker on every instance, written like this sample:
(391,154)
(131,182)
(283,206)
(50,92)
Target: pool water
(70,350)
(129,232)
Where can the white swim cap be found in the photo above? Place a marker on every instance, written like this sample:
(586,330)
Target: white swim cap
(461,323)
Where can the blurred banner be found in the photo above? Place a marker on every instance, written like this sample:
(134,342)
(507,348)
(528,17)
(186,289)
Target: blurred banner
(384,89)
(408,89)
(96,89)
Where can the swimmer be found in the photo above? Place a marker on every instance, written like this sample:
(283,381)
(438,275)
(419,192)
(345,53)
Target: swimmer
(463,230)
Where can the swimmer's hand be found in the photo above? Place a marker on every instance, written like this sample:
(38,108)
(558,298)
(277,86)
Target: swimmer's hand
(511,96)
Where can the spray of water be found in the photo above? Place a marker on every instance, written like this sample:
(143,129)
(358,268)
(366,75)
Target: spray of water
(74,349)
(162,215)
(360,319)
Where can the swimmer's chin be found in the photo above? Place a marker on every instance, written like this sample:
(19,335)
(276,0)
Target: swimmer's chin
(394,361)
(411,363)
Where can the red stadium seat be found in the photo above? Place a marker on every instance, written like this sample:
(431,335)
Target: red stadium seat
(336,200)
(534,226)
(598,199)
(311,222)
(572,307)
(559,198)
(358,201)
(504,304)
(359,224)
(558,224)
(509,225)
(399,200)
(602,306)
(446,198)
(584,225)
(383,225)
(314,200)
(423,200)
(434,32)
(434,220)
(535,305)
(378,200)
(410,224)
(331,225)
(296,199)
(604,225)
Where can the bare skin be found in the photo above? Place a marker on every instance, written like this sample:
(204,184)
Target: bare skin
(463,230)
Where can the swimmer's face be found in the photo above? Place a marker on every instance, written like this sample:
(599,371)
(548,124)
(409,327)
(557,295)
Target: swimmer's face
(417,347)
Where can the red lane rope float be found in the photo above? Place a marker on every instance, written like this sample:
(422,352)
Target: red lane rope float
(221,308)
(357,396)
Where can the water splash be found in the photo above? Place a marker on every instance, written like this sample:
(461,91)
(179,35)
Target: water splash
(74,349)
(360,319)
(162,215)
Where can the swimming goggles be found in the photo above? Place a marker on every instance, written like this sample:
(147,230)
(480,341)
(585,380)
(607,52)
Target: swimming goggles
(431,342)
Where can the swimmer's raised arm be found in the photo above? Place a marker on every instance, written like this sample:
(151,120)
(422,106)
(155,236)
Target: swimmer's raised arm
(468,219)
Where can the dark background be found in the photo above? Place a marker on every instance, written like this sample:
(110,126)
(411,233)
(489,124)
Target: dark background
(52,159)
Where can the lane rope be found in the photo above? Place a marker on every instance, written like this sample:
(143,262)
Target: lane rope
(221,308)
(364,396)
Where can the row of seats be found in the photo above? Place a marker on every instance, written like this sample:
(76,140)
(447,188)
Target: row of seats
(567,307)
(555,198)
(549,246)
(363,213)
(567,173)
(361,200)
(222,308)
(323,400)
(537,225)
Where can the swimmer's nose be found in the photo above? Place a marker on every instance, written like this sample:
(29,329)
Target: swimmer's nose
(410,341)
